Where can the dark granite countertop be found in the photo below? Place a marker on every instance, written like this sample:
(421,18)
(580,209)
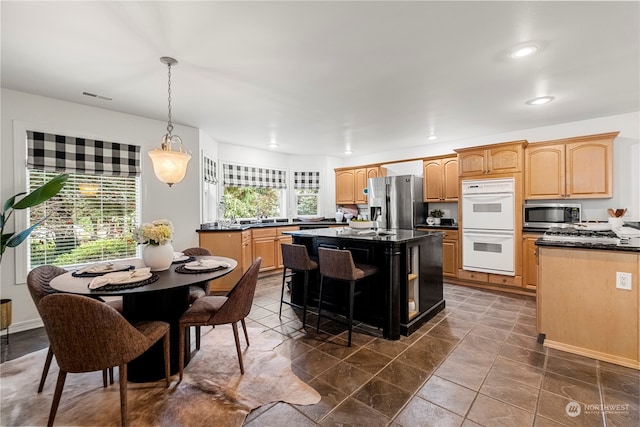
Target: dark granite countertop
(268,223)
(388,235)
(633,245)
(444,227)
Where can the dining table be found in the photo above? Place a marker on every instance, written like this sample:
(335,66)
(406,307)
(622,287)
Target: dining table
(165,298)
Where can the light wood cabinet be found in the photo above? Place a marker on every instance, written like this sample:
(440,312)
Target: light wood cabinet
(580,309)
(263,241)
(345,187)
(350,184)
(232,244)
(493,159)
(530,260)
(572,168)
(449,250)
(361,184)
(440,179)
(283,238)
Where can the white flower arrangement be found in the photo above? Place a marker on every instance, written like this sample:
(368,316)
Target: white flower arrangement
(159,232)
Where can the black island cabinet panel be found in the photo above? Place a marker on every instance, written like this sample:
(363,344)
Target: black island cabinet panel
(406,292)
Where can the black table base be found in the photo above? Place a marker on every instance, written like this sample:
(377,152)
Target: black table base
(167,306)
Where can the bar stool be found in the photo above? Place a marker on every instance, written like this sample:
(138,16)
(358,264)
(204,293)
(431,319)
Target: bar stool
(338,264)
(296,259)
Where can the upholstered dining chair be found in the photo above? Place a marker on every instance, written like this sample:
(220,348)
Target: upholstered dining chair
(338,264)
(296,259)
(38,281)
(87,335)
(219,310)
(198,290)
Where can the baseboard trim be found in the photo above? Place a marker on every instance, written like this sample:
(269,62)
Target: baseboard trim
(617,360)
(492,287)
(23,326)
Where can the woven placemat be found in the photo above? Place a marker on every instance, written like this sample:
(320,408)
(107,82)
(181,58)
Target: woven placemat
(119,287)
(86,274)
(184,261)
(184,270)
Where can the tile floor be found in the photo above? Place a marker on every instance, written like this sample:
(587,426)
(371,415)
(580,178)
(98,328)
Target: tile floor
(476,363)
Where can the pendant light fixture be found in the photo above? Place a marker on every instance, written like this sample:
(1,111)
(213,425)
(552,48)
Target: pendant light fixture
(170,166)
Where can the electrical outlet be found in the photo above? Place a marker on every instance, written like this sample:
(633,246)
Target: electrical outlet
(623,280)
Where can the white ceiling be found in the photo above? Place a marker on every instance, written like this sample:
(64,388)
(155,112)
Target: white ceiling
(315,76)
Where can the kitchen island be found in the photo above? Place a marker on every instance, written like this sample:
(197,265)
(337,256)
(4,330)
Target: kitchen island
(406,292)
(579,307)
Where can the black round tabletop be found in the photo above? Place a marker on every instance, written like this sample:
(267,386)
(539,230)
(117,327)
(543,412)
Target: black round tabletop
(167,279)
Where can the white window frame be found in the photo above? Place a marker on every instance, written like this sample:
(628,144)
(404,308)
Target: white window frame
(20,173)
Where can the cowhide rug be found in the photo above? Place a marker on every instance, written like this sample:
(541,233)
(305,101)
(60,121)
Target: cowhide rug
(212,392)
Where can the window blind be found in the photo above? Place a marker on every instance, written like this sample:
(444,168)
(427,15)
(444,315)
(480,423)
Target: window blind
(66,154)
(306,180)
(210,171)
(246,176)
(90,220)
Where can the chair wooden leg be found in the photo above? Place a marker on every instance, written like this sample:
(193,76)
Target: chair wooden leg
(284,276)
(244,328)
(123,393)
(181,329)
(352,288)
(319,303)
(234,325)
(104,377)
(167,362)
(111,375)
(304,301)
(62,375)
(197,337)
(45,370)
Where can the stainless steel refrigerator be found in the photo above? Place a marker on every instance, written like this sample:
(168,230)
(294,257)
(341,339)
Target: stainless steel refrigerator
(396,201)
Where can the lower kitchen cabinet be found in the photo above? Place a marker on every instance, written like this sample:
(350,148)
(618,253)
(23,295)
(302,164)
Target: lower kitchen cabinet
(449,251)
(283,238)
(231,244)
(264,245)
(530,260)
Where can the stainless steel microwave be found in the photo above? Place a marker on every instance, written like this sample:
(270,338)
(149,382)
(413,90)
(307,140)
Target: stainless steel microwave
(546,215)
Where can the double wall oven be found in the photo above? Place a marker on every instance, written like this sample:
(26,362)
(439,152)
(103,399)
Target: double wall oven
(488,225)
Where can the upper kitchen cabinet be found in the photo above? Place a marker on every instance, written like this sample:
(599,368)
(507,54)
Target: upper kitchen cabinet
(345,186)
(493,159)
(441,179)
(572,168)
(350,184)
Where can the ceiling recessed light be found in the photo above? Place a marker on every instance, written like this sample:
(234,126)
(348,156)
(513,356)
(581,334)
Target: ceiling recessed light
(432,137)
(347,151)
(540,100)
(273,145)
(524,51)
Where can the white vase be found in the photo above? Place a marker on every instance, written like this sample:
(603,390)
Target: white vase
(436,221)
(158,257)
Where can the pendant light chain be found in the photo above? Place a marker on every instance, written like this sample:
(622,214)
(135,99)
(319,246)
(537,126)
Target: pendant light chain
(169,125)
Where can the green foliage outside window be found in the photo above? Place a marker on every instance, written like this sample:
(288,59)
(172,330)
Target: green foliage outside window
(248,202)
(307,202)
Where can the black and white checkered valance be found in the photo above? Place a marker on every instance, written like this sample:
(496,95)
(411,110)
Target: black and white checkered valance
(306,180)
(210,171)
(58,153)
(246,176)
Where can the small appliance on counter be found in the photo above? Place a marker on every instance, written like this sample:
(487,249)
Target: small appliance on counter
(547,215)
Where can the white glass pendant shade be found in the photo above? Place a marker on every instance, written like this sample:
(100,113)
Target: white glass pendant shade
(170,167)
